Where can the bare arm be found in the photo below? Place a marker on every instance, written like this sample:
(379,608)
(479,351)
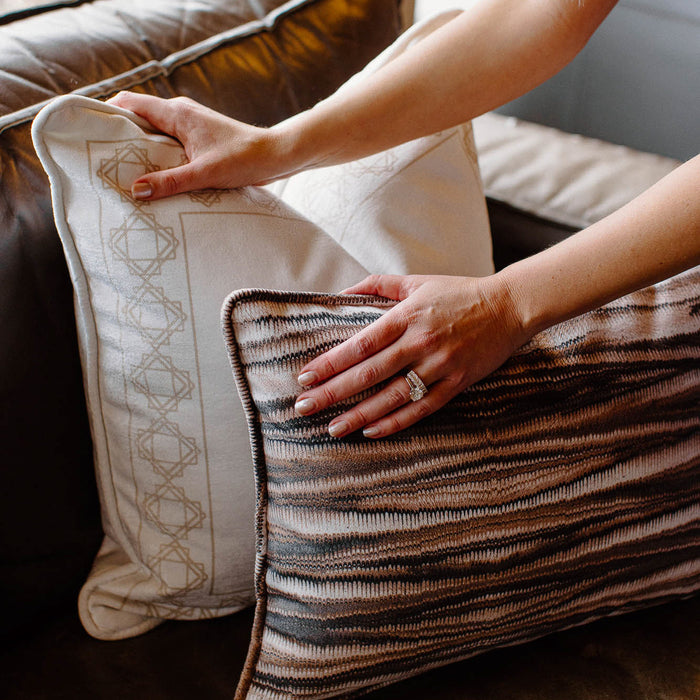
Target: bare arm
(652,238)
(451,330)
(491,53)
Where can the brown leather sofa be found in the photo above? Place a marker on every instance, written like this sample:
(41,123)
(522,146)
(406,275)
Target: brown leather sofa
(236,57)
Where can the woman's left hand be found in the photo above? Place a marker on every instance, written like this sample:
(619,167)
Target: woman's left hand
(451,331)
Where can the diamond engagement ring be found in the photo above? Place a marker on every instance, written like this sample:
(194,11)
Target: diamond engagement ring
(415,384)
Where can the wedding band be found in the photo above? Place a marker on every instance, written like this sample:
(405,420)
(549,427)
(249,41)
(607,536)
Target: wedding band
(415,384)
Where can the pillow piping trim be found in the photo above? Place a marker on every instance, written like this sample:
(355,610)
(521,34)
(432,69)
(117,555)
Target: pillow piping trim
(238,298)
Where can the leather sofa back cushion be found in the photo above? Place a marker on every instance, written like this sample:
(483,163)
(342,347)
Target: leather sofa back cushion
(229,55)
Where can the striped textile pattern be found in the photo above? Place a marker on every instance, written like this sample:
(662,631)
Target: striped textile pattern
(562,488)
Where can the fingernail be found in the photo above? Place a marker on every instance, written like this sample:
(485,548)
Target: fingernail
(371,431)
(307,378)
(338,429)
(304,406)
(141,190)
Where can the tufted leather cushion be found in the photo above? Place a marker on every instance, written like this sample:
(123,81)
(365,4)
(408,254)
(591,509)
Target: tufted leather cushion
(231,55)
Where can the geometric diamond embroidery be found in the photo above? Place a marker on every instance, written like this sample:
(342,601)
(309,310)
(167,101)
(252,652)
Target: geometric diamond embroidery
(383,165)
(155,316)
(172,511)
(143,244)
(167,449)
(205,197)
(176,611)
(163,384)
(119,171)
(174,565)
(261,200)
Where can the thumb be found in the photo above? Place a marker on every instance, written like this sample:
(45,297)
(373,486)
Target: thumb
(163,183)
(394,287)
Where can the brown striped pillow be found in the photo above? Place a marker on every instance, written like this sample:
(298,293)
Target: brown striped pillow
(564,487)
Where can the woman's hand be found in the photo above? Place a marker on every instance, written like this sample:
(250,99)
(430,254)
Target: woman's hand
(451,331)
(223,153)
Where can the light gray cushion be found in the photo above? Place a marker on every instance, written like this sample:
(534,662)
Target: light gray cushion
(171,447)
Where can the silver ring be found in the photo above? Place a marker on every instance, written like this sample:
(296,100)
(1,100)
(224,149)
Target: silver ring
(415,384)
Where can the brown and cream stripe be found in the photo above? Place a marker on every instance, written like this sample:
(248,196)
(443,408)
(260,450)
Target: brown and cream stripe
(562,488)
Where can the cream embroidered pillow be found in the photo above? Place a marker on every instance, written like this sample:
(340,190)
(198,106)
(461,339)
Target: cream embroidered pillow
(172,457)
(563,487)
(171,448)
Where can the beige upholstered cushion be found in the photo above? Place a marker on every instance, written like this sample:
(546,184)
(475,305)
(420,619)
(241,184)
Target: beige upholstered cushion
(564,487)
(172,453)
(425,198)
(171,448)
(566,178)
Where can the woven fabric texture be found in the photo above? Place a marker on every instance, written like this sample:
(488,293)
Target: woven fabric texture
(562,488)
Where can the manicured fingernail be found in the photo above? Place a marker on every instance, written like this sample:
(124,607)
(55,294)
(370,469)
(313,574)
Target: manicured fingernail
(338,429)
(304,406)
(371,431)
(307,378)
(141,190)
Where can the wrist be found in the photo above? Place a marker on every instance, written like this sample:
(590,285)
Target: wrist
(530,315)
(504,298)
(303,141)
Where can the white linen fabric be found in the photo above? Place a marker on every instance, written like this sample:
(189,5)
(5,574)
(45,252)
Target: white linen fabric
(420,205)
(171,445)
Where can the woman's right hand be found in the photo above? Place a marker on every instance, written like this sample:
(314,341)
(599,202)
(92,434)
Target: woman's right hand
(223,153)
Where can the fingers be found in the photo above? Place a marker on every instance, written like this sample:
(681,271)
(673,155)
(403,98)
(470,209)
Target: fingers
(369,358)
(367,414)
(391,409)
(222,152)
(343,385)
(168,116)
(163,183)
(361,346)
(392,397)
(411,412)
(155,110)
(372,339)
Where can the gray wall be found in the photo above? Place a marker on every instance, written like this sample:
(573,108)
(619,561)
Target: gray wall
(636,83)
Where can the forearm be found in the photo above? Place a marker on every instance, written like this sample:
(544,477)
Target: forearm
(490,54)
(654,237)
